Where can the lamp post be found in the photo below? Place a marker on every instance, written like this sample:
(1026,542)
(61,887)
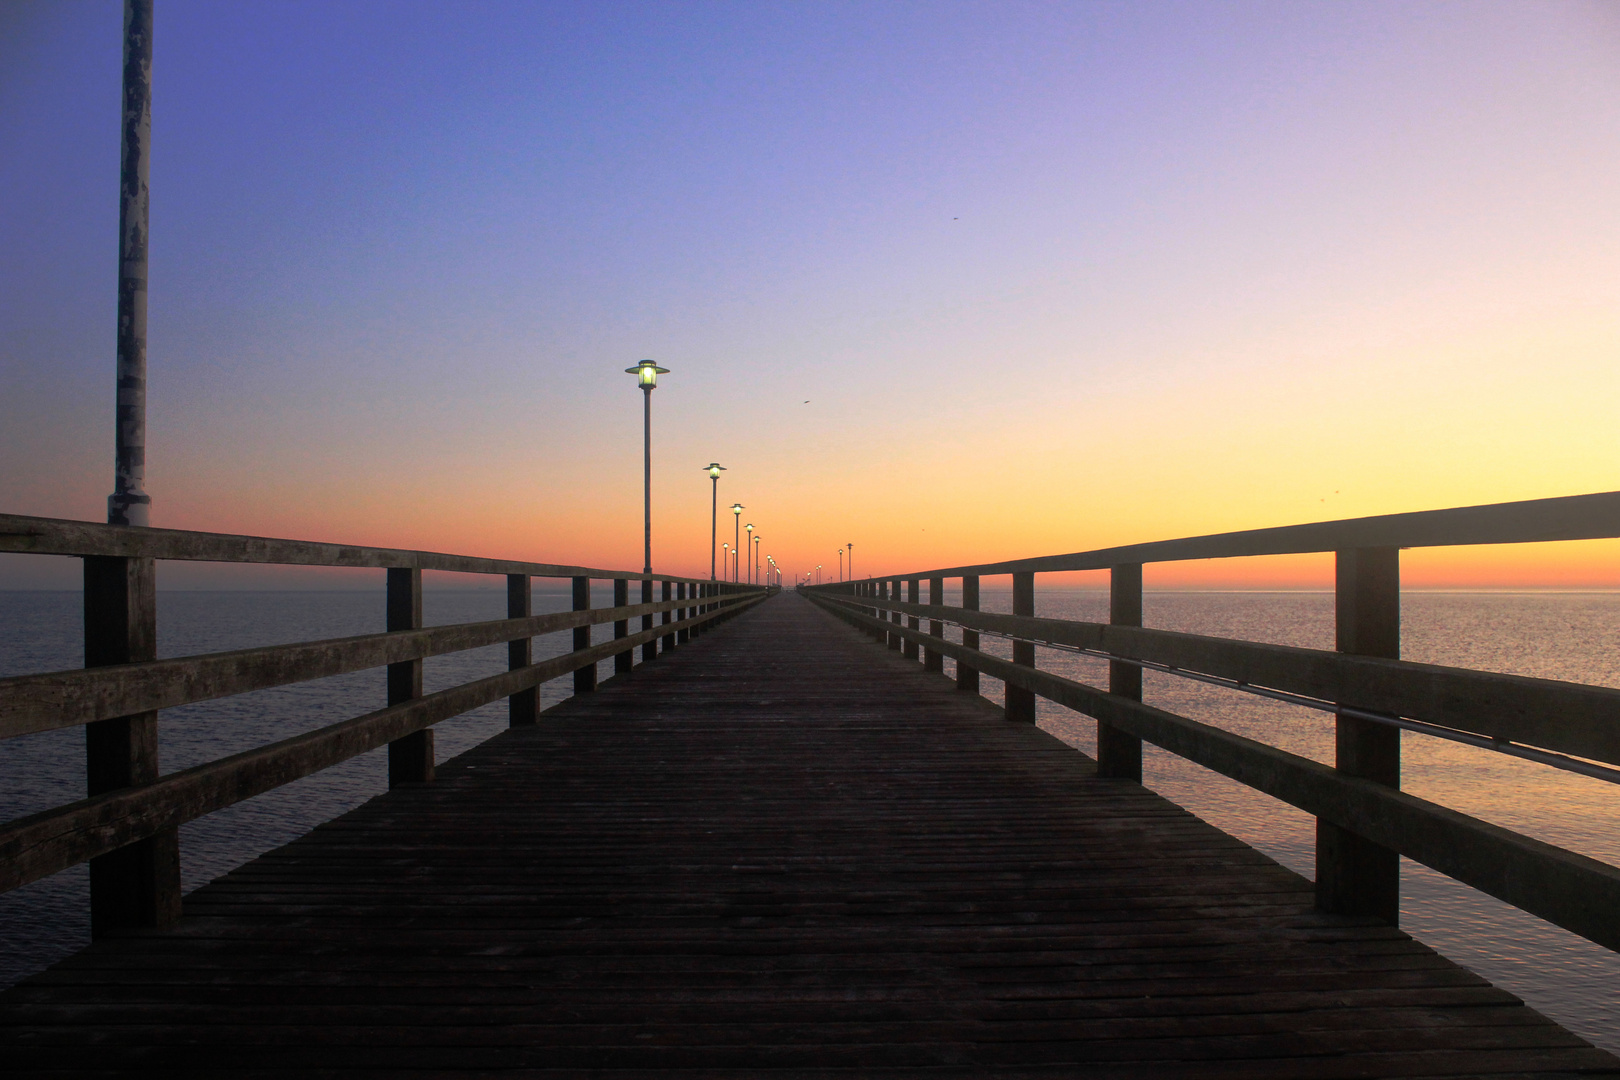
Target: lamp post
(646,373)
(750,528)
(715,469)
(851,547)
(840,564)
(727,559)
(818,573)
(736,537)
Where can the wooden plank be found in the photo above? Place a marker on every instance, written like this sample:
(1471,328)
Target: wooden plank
(786,851)
(30,703)
(1580,894)
(41,844)
(1574,517)
(1571,718)
(59,536)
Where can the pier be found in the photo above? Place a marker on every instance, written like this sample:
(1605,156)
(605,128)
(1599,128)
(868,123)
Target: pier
(786,842)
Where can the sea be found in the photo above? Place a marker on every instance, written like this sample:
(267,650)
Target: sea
(1568,636)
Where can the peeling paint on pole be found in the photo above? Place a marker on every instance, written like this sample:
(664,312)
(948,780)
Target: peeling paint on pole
(129,504)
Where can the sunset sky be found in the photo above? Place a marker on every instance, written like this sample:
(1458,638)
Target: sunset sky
(953,281)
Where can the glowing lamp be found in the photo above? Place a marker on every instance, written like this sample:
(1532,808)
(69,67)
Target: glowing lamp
(646,374)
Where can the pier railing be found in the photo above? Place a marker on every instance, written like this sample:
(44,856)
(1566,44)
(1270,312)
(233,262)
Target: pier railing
(127,827)
(1364,822)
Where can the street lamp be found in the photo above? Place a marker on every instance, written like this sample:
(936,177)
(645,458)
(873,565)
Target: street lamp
(818,573)
(750,528)
(715,469)
(736,538)
(728,554)
(840,564)
(646,374)
(851,546)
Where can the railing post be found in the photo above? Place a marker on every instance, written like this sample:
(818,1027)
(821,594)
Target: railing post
(895,641)
(933,660)
(585,677)
(1119,754)
(669,616)
(912,622)
(683,636)
(967,678)
(524,705)
(1353,875)
(410,760)
(137,885)
(1021,702)
(623,662)
(649,650)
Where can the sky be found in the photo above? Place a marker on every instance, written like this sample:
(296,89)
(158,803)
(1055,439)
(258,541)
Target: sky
(951,281)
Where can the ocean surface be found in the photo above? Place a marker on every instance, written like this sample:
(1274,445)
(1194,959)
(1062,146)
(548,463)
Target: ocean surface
(1570,636)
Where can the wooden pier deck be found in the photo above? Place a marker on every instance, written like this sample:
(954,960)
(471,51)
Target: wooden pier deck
(782,850)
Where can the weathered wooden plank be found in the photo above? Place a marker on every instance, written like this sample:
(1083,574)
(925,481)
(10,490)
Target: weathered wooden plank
(1580,894)
(734,865)
(1570,718)
(59,536)
(1574,517)
(30,703)
(41,844)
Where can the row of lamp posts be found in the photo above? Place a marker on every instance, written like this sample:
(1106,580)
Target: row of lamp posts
(646,373)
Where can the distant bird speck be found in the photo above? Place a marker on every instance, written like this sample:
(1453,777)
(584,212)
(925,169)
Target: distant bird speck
(807,402)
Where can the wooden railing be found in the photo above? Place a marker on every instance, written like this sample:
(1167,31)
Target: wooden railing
(127,827)
(1364,822)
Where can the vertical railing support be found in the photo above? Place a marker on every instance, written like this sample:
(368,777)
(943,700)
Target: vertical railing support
(649,649)
(1119,754)
(910,649)
(410,760)
(585,677)
(683,636)
(1021,702)
(524,705)
(623,662)
(137,885)
(669,615)
(933,660)
(896,642)
(967,678)
(1355,876)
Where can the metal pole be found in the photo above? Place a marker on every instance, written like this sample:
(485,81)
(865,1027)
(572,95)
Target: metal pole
(646,479)
(129,504)
(714,511)
(736,546)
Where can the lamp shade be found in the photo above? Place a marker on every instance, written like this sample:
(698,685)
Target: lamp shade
(646,373)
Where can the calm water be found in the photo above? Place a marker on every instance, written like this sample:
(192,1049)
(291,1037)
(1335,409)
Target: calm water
(1561,636)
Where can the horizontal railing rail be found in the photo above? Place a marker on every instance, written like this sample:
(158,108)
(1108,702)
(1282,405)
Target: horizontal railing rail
(1364,822)
(61,536)
(30,703)
(1573,517)
(1570,718)
(42,844)
(127,826)
(1571,890)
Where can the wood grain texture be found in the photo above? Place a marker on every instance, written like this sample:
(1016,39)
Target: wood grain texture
(784,851)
